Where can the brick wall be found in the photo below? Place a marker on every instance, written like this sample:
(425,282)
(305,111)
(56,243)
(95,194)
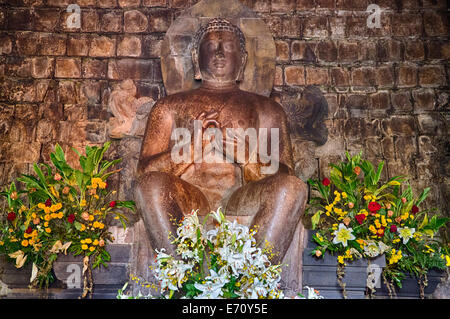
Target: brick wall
(387,87)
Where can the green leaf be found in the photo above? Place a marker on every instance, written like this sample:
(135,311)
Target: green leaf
(315,219)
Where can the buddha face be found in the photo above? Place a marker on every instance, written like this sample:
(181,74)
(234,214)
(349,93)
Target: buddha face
(220,58)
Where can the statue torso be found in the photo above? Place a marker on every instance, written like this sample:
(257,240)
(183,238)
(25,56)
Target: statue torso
(237,109)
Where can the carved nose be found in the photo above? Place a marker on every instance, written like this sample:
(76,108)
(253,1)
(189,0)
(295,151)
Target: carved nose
(219,50)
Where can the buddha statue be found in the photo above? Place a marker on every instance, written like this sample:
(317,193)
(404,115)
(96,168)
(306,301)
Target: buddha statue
(166,189)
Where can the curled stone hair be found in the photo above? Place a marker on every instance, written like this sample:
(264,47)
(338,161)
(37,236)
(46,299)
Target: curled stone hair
(219,24)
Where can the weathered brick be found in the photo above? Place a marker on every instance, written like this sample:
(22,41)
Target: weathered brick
(78,45)
(431,75)
(400,125)
(278,76)
(294,75)
(151,46)
(401,101)
(129,46)
(316,76)
(135,21)
(384,76)
(19,19)
(325,4)
(406,148)
(46,19)
(351,4)
(67,92)
(111,21)
(282,49)
(389,50)
(430,124)
(337,26)
(356,26)
(42,67)
(327,51)
(5,44)
(435,24)
(26,43)
(292,26)
(285,6)
(315,26)
(363,77)
(90,21)
(348,51)
(406,24)
(414,50)
(52,44)
(160,20)
(154,3)
(379,103)
(304,5)
(129,3)
(18,66)
(301,50)
(135,69)
(340,77)
(424,100)
(107,3)
(102,46)
(437,49)
(407,75)
(68,68)
(94,68)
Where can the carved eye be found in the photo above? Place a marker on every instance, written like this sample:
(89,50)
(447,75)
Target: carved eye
(229,46)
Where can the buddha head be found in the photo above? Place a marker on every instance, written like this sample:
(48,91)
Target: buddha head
(218,53)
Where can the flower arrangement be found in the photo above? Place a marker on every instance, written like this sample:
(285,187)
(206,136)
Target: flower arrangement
(356,215)
(61,210)
(220,263)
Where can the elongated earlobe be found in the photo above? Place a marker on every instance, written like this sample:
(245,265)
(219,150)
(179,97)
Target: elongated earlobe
(240,76)
(197,73)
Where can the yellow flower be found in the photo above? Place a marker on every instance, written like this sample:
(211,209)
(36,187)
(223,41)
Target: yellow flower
(83,203)
(47,217)
(91,217)
(88,240)
(53,215)
(344,195)
(24,243)
(48,230)
(60,215)
(83,227)
(46,224)
(395,256)
(363,211)
(84,246)
(372,229)
(377,223)
(340,259)
(92,248)
(95,242)
(447,259)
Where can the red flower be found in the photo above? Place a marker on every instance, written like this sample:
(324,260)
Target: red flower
(374,207)
(360,218)
(393,229)
(112,204)
(48,202)
(380,232)
(29,230)
(11,216)
(414,209)
(326,181)
(71,218)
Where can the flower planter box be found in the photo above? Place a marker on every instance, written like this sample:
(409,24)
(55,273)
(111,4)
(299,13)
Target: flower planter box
(68,270)
(320,273)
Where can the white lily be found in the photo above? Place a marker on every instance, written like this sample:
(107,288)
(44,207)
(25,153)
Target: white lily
(406,233)
(342,235)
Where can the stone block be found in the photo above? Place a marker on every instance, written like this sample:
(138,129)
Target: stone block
(67,68)
(78,45)
(406,148)
(160,20)
(424,100)
(136,69)
(107,3)
(356,26)
(379,103)
(317,76)
(111,21)
(348,51)
(389,50)
(135,21)
(351,4)
(327,51)
(52,44)
(303,51)
(407,75)
(26,43)
(94,68)
(401,125)
(414,50)
(401,101)
(90,21)
(337,26)
(129,3)
(154,3)
(285,6)
(46,19)
(430,124)
(19,19)
(340,77)
(294,75)
(102,46)
(129,46)
(42,67)
(432,76)
(304,5)
(406,24)
(435,23)
(315,27)
(363,77)
(384,76)
(282,49)
(151,46)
